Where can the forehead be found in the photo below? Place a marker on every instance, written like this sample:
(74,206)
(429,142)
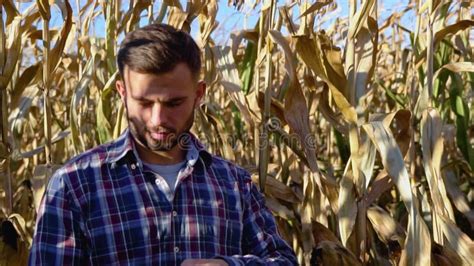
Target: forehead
(178,81)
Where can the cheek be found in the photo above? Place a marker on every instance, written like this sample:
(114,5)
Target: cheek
(185,112)
(137,111)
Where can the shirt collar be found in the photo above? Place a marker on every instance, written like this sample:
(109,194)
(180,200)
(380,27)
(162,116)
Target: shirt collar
(122,148)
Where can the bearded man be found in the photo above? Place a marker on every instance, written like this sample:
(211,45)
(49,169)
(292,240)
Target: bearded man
(155,195)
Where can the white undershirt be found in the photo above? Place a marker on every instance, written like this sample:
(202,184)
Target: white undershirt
(169,172)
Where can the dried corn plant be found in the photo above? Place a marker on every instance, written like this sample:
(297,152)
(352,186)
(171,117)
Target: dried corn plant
(358,130)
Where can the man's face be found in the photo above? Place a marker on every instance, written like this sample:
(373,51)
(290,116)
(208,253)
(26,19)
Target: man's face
(160,107)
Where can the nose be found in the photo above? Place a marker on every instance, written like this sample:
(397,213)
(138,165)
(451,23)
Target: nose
(158,115)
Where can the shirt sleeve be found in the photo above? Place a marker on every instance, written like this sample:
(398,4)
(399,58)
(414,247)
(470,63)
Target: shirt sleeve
(262,245)
(58,238)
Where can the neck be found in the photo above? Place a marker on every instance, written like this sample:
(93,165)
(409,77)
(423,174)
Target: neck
(173,156)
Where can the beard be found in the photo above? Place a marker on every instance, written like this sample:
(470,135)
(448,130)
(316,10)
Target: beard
(142,134)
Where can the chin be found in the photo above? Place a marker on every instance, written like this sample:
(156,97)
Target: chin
(161,147)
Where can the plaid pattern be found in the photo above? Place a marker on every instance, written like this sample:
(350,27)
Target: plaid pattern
(103,207)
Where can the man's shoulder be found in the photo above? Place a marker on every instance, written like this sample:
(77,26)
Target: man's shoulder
(92,159)
(229,168)
(82,171)
(97,154)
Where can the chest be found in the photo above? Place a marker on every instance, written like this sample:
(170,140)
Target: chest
(130,216)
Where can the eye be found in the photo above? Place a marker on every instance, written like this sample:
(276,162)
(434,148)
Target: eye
(174,103)
(145,103)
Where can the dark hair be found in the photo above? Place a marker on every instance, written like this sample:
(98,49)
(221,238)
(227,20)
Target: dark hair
(158,48)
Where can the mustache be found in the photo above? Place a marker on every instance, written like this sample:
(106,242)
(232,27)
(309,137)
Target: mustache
(160,129)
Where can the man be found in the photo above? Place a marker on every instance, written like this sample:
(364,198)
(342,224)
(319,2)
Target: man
(155,195)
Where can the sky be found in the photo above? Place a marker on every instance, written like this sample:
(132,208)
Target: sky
(232,20)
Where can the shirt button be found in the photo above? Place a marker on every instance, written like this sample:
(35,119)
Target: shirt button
(133,166)
(176,249)
(157,182)
(175,213)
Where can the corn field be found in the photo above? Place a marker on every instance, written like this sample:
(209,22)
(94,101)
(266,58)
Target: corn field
(359,130)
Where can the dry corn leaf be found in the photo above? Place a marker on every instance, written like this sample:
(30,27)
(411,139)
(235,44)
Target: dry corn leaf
(290,64)
(335,119)
(177,17)
(230,80)
(278,190)
(296,115)
(307,215)
(122,121)
(57,52)
(12,255)
(28,76)
(355,145)
(279,209)
(367,160)
(401,128)
(455,67)
(10,9)
(310,52)
(132,17)
(459,241)
(441,34)
(20,112)
(173,3)
(296,111)
(360,19)
(285,14)
(41,175)
(432,148)
(322,233)
(361,54)
(194,7)
(19,224)
(274,126)
(23,155)
(219,128)
(104,128)
(207,21)
(331,253)
(452,29)
(399,123)
(277,109)
(316,7)
(81,88)
(237,37)
(12,51)
(380,185)
(44,9)
(458,198)
(334,66)
(385,226)
(307,22)
(445,256)
(417,248)
(89,18)
(205,124)
(347,204)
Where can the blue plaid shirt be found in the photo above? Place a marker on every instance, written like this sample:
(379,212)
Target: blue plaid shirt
(104,207)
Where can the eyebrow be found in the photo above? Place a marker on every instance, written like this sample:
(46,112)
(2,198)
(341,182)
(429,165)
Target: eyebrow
(174,99)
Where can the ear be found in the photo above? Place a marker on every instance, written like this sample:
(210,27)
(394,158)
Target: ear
(200,91)
(120,86)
